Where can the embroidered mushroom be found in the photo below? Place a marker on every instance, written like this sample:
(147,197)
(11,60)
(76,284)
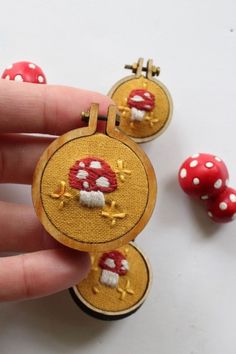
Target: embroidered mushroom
(113,265)
(25,71)
(140,101)
(222,208)
(203,175)
(93,177)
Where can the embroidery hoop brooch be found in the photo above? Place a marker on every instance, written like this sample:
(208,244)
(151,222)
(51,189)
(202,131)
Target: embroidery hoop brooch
(94,191)
(117,285)
(145,103)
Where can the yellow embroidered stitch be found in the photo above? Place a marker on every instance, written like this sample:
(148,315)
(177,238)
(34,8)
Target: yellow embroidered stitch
(93,264)
(112,214)
(95,290)
(121,170)
(151,119)
(62,194)
(125,291)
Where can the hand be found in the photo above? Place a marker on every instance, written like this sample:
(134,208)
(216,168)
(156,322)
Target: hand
(43,265)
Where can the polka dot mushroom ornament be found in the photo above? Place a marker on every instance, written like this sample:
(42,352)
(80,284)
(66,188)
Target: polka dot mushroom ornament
(93,177)
(206,176)
(203,176)
(222,208)
(140,102)
(113,264)
(25,71)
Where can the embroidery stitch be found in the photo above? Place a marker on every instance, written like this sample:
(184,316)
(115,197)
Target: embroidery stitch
(93,177)
(62,194)
(125,291)
(121,170)
(113,265)
(139,107)
(112,214)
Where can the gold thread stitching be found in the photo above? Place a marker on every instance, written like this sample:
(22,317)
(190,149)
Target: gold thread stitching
(125,291)
(61,194)
(121,170)
(112,214)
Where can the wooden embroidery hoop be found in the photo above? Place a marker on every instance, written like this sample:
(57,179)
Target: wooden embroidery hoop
(112,132)
(151,71)
(106,315)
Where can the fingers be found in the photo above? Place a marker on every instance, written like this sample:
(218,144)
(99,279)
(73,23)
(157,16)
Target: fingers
(20,230)
(41,273)
(30,108)
(19,155)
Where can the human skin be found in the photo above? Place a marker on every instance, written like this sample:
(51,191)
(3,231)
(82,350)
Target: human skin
(42,266)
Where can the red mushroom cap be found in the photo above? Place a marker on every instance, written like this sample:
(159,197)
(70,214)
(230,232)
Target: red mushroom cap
(118,262)
(141,99)
(25,71)
(203,175)
(92,174)
(222,208)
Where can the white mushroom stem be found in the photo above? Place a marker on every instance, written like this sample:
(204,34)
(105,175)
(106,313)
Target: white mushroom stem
(92,199)
(137,114)
(109,278)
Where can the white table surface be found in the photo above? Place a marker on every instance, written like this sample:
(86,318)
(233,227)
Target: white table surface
(192,305)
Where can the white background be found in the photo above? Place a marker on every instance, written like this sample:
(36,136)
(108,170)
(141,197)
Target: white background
(192,305)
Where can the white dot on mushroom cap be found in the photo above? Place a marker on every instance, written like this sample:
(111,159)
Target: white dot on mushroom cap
(232,197)
(32,66)
(147,94)
(7,77)
(85,184)
(110,263)
(223,206)
(209,164)
(196,181)
(209,214)
(40,78)
(147,106)
(218,183)
(102,182)
(217,159)
(18,78)
(137,98)
(204,197)
(81,164)
(194,163)
(195,155)
(125,264)
(95,164)
(82,174)
(183,173)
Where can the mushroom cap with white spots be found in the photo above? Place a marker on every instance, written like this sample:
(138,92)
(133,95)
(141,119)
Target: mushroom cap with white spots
(142,100)
(92,174)
(114,261)
(25,71)
(222,208)
(203,175)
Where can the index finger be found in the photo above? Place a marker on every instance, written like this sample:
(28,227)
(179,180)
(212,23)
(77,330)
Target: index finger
(31,108)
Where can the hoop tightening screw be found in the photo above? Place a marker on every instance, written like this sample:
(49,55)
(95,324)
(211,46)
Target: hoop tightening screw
(134,67)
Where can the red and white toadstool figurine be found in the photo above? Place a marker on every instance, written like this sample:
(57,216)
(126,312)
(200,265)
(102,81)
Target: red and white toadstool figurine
(140,101)
(206,176)
(93,177)
(222,208)
(203,175)
(25,71)
(113,265)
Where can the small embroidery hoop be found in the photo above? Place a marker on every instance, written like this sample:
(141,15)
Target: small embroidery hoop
(111,131)
(151,71)
(111,315)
